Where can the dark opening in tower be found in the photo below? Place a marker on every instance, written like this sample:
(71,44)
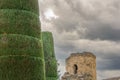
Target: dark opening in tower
(75,69)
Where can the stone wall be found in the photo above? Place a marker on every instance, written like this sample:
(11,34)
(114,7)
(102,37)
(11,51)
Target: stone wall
(82,64)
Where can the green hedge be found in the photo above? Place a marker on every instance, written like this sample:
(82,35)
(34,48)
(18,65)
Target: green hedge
(19,22)
(48,44)
(14,44)
(29,5)
(51,78)
(49,55)
(21,68)
(29,52)
(51,67)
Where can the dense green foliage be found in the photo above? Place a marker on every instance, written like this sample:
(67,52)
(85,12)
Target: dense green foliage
(14,44)
(28,5)
(21,68)
(51,78)
(19,22)
(21,48)
(50,60)
(48,44)
(51,67)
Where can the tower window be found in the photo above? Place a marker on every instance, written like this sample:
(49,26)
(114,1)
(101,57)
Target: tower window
(75,69)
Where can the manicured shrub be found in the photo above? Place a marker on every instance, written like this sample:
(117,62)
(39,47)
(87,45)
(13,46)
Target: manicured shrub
(28,5)
(14,44)
(48,44)
(51,67)
(19,22)
(21,48)
(21,68)
(51,78)
(49,55)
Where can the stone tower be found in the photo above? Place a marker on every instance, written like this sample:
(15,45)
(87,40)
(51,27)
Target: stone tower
(80,66)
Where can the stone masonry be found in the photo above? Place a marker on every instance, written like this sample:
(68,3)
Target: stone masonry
(80,66)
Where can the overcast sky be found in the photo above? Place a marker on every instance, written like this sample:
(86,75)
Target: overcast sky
(85,25)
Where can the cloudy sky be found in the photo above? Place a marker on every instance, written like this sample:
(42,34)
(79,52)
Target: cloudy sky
(85,25)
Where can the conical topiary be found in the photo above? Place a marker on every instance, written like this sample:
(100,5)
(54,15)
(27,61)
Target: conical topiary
(49,55)
(21,55)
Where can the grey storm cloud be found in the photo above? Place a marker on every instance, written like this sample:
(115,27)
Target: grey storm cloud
(85,25)
(104,32)
(109,64)
(101,20)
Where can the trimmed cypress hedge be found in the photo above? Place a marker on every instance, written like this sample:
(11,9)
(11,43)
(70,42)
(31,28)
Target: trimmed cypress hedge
(51,78)
(21,51)
(48,44)
(28,5)
(21,68)
(26,52)
(19,22)
(19,41)
(49,55)
(51,67)
(14,44)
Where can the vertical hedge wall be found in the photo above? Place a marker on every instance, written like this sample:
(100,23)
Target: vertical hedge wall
(49,55)
(27,5)
(21,50)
